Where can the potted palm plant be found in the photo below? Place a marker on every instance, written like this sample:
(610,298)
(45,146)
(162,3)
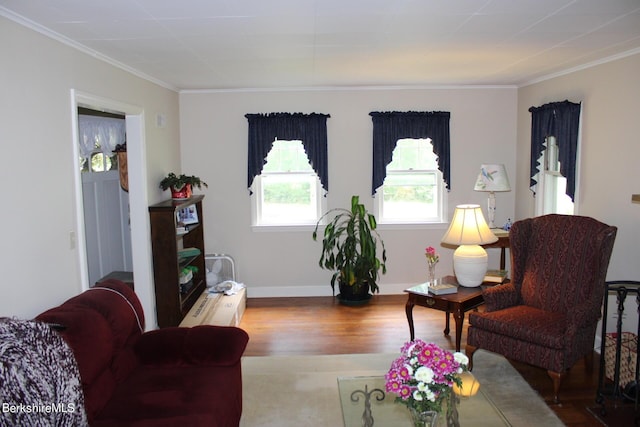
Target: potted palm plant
(350,249)
(181,185)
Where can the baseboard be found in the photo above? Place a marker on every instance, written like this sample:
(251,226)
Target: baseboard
(313,290)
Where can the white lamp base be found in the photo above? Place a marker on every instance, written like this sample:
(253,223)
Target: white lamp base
(470,265)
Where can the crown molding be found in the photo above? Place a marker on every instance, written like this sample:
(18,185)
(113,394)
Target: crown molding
(19,19)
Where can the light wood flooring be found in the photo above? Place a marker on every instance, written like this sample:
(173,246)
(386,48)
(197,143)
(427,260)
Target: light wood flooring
(320,325)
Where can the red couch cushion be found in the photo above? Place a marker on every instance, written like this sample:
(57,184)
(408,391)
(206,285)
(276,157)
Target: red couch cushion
(181,395)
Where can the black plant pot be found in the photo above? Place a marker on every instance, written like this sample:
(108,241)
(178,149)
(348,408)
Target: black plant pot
(354,295)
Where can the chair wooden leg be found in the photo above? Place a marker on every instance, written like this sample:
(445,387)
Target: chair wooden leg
(556,377)
(470,349)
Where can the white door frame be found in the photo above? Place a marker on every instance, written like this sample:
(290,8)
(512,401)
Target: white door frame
(138,197)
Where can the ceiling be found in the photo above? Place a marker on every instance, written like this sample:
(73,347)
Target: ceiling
(240,44)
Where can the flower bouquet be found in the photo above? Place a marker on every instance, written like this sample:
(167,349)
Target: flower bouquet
(423,377)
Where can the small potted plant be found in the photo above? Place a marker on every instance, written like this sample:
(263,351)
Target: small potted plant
(350,249)
(181,186)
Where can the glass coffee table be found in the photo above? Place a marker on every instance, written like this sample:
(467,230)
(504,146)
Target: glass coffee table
(366,396)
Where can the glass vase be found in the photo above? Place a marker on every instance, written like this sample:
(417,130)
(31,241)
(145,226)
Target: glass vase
(425,418)
(431,273)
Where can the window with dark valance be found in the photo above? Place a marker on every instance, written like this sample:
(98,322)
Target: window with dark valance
(389,127)
(562,121)
(311,129)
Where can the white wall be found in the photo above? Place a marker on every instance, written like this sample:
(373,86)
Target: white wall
(40,268)
(610,96)
(214,147)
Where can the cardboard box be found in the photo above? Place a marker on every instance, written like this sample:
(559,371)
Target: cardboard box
(217,309)
(628,356)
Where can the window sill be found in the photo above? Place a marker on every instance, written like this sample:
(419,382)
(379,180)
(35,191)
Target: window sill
(412,225)
(280,228)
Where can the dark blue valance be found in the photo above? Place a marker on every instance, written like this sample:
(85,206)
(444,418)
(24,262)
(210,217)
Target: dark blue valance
(562,121)
(311,129)
(389,127)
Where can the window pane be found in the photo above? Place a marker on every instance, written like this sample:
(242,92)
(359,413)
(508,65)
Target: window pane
(410,196)
(287,156)
(413,154)
(289,199)
(413,187)
(100,162)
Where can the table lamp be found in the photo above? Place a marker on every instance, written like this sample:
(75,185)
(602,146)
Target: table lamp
(470,385)
(492,178)
(469,230)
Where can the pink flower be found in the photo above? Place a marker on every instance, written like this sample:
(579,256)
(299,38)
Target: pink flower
(431,255)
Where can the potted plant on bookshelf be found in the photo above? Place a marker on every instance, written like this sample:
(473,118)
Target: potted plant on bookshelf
(350,249)
(181,186)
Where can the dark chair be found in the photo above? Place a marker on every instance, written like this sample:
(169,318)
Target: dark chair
(547,315)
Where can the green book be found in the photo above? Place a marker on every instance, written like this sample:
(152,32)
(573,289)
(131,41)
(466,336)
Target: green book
(496,276)
(188,252)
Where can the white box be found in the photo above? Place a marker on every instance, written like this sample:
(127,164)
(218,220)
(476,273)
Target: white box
(217,309)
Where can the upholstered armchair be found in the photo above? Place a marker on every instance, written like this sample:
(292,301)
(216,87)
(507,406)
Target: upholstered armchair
(547,315)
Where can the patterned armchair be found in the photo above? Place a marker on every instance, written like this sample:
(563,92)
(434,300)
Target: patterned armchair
(547,315)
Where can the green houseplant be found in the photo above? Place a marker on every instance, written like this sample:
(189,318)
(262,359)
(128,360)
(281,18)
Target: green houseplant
(350,249)
(181,185)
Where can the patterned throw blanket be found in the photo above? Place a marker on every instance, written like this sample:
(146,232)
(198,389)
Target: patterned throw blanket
(39,378)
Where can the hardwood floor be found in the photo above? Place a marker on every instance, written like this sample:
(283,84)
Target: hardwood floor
(320,325)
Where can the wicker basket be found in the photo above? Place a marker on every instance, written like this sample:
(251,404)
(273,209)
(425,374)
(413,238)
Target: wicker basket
(628,356)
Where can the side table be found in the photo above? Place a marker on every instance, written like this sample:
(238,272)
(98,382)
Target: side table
(462,301)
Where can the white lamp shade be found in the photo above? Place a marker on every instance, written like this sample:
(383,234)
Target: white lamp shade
(468,227)
(492,178)
(469,230)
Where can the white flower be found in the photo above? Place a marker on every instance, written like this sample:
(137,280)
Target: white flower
(423,387)
(431,396)
(417,396)
(424,374)
(461,358)
(409,369)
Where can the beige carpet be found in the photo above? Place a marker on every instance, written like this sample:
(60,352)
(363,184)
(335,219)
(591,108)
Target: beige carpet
(297,391)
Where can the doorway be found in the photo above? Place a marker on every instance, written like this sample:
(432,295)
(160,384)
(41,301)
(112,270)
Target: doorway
(105,200)
(138,198)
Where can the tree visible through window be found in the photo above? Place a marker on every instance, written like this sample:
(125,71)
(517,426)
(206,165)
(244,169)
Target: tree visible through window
(413,188)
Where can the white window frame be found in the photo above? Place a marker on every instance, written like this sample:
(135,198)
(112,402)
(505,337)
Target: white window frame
(548,194)
(441,199)
(304,224)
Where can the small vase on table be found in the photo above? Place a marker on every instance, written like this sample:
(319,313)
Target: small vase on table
(431,272)
(432,260)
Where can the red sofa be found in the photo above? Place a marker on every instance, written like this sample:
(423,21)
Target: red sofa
(166,377)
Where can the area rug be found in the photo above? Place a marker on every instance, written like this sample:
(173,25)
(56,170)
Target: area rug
(297,391)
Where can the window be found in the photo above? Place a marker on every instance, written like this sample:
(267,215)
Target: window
(413,190)
(555,134)
(288,191)
(551,185)
(98,162)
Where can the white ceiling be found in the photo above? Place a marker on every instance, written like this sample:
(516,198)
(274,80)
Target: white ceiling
(235,44)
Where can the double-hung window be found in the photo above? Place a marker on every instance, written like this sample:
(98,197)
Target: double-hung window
(287,168)
(411,166)
(413,190)
(288,191)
